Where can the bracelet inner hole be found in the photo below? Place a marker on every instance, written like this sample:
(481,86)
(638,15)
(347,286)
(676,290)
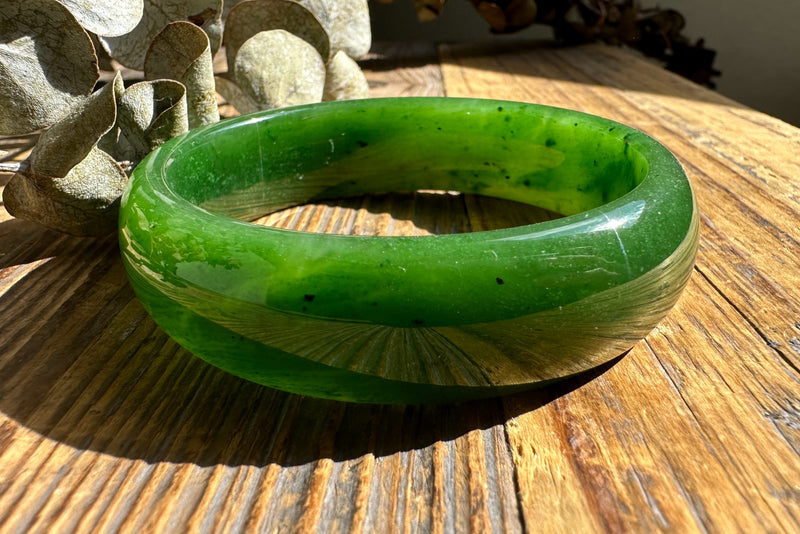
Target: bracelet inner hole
(264,167)
(415,213)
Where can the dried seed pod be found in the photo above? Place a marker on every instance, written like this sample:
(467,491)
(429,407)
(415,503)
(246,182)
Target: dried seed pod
(428,10)
(506,16)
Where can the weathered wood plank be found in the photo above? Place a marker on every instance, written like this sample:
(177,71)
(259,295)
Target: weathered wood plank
(113,427)
(681,434)
(107,425)
(403,69)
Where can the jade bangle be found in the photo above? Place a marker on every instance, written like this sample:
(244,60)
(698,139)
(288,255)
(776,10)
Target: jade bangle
(409,319)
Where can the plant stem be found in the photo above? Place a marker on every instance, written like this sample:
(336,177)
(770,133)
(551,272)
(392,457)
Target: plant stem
(13,166)
(19,166)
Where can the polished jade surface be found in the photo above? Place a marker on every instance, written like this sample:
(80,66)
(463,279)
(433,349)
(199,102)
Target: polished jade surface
(409,319)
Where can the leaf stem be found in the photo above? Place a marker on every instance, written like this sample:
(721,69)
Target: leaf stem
(13,166)
(21,166)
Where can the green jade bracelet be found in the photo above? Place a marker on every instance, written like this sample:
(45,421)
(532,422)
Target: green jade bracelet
(402,319)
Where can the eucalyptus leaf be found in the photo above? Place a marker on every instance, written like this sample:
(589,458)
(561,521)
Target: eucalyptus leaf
(320,10)
(181,52)
(227,6)
(348,26)
(112,141)
(130,49)
(69,141)
(250,17)
(277,69)
(106,17)
(47,64)
(344,79)
(234,96)
(84,202)
(149,114)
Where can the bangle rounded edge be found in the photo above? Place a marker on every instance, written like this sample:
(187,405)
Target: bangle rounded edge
(517,352)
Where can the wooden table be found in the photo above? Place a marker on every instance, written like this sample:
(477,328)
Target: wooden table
(107,425)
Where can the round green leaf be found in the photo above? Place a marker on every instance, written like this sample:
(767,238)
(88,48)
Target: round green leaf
(250,17)
(106,17)
(277,69)
(344,79)
(130,49)
(47,64)
(347,23)
(84,202)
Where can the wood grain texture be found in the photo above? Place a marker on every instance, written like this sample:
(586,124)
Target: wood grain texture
(106,425)
(403,69)
(697,428)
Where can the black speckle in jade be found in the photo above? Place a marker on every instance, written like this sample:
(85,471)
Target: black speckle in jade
(550,142)
(362,144)
(499,108)
(508,118)
(418,322)
(309,298)
(500,281)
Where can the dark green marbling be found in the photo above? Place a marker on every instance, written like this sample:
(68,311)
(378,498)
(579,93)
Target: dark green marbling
(409,319)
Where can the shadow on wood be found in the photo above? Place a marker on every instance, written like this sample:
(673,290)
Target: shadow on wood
(23,242)
(83,364)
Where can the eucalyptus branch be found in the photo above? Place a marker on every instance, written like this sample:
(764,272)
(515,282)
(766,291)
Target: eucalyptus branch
(22,166)
(13,166)
(88,141)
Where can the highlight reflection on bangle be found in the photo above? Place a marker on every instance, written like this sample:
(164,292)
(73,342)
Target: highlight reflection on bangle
(409,319)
